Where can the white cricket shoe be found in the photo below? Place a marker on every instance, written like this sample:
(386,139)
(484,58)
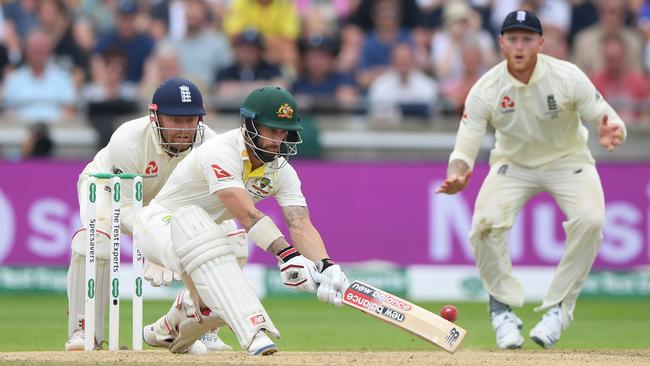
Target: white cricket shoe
(156,335)
(547,332)
(76,341)
(507,327)
(261,345)
(213,343)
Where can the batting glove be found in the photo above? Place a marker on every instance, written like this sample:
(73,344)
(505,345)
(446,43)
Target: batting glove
(333,282)
(296,271)
(158,275)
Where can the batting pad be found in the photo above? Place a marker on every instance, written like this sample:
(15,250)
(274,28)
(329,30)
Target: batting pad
(77,296)
(207,256)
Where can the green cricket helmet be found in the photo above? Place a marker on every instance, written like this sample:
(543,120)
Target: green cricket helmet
(273,107)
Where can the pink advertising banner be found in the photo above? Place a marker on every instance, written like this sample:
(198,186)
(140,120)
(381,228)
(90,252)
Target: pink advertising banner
(364,211)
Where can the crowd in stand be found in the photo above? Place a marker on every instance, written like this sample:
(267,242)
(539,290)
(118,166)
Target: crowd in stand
(102,59)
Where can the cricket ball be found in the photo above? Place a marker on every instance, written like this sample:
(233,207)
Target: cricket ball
(449,312)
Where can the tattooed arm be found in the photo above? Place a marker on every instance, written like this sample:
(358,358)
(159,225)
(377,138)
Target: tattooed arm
(305,236)
(242,208)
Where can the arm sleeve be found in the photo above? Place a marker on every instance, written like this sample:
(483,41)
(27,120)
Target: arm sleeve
(123,155)
(471,129)
(288,192)
(591,105)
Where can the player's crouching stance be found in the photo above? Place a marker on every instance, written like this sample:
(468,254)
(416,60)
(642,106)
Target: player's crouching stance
(222,180)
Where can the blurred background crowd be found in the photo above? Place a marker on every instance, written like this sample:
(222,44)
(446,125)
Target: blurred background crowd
(97,62)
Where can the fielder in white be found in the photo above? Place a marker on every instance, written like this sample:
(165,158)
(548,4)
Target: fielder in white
(151,146)
(220,180)
(535,103)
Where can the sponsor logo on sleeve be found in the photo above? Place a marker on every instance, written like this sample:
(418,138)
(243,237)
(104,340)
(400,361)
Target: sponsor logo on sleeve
(221,174)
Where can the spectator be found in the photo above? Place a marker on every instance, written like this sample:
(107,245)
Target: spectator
(588,41)
(644,24)
(137,45)
(110,98)
(403,89)
(20,18)
(376,49)
(460,21)
(626,89)
(163,64)
(455,90)
(320,86)
(555,43)
(555,13)
(39,144)
(56,22)
(168,20)
(202,51)
(249,71)
(40,90)
(276,20)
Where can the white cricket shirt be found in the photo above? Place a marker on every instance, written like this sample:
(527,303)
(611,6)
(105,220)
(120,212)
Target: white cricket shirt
(222,162)
(135,148)
(535,123)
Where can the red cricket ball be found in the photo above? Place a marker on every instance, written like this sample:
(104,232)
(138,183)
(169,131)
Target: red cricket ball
(449,312)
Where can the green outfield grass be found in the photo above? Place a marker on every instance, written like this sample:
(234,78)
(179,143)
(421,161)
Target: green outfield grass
(38,322)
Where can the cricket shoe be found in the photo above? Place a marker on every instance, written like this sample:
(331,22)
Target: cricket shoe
(212,341)
(157,335)
(508,330)
(76,341)
(261,345)
(547,332)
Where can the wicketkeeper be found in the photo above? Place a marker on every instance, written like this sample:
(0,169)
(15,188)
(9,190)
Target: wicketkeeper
(151,146)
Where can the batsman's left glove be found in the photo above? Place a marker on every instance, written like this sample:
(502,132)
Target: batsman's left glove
(158,275)
(333,282)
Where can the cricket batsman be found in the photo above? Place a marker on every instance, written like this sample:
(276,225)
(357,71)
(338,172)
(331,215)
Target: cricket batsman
(151,146)
(536,104)
(220,180)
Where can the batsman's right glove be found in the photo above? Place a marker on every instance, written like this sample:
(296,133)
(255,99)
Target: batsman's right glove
(333,282)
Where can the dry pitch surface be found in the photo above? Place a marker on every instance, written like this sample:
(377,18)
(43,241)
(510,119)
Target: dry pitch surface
(469,357)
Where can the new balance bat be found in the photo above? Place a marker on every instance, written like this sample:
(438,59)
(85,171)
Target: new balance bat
(405,315)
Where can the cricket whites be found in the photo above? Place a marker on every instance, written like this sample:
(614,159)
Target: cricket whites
(405,315)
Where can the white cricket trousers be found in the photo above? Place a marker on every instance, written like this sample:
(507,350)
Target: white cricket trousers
(574,183)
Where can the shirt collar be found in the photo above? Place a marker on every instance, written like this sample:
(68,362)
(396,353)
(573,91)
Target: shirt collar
(248,167)
(538,72)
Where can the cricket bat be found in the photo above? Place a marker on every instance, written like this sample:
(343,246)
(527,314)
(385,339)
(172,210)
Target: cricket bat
(405,315)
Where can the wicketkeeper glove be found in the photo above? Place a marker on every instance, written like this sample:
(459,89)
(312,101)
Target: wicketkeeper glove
(158,275)
(333,282)
(296,271)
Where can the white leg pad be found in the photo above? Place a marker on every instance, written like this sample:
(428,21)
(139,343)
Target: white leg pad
(207,257)
(76,295)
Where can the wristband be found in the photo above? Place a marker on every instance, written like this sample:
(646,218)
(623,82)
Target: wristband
(323,264)
(288,253)
(264,232)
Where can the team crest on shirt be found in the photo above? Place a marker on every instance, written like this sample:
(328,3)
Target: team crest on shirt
(552,106)
(259,187)
(507,105)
